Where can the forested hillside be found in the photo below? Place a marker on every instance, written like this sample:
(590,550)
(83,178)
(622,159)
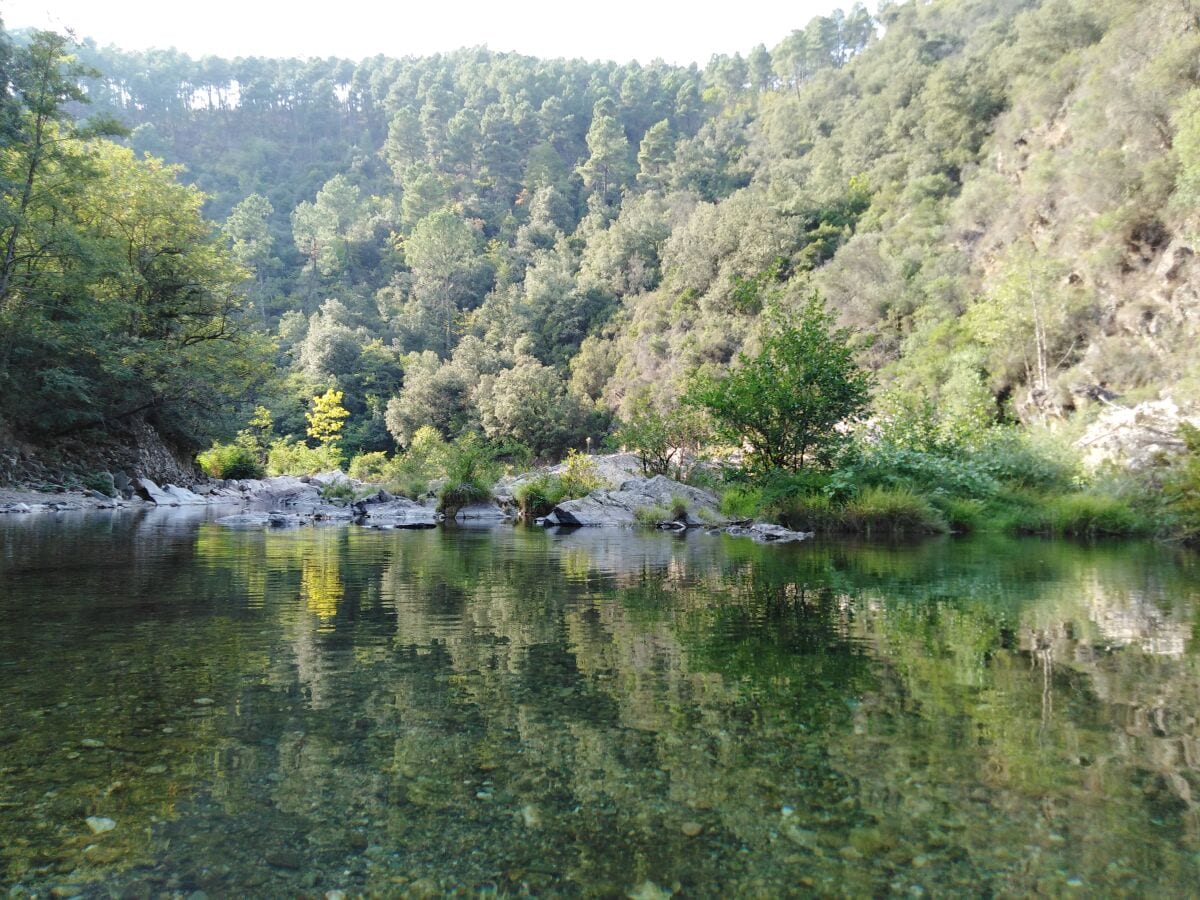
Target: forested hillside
(997,198)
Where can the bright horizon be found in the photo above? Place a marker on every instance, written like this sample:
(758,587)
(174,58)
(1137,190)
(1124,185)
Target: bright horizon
(622,30)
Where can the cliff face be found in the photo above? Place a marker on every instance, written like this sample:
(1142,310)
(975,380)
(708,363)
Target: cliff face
(134,447)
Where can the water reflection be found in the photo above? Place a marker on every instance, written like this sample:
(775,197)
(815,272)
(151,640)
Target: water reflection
(594,712)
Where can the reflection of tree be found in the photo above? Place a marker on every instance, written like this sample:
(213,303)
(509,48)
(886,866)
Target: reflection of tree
(547,712)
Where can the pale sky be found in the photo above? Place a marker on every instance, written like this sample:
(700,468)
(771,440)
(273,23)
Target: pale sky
(678,32)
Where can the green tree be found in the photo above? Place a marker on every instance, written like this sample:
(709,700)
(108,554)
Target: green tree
(441,251)
(786,402)
(654,155)
(607,167)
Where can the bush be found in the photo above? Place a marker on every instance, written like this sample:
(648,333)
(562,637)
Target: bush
(741,502)
(651,516)
(102,482)
(374,466)
(229,461)
(579,477)
(538,496)
(1010,457)
(292,458)
(1080,515)
(805,512)
(341,492)
(471,470)
(888,466)
(962,514)
(679,508)
(892,510)
(1182,487)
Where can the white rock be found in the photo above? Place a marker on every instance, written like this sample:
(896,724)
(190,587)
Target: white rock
(100,824)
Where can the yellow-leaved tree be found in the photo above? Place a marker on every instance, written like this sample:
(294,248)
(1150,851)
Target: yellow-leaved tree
(326,418)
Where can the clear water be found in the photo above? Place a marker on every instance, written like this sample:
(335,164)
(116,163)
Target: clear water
(601,713)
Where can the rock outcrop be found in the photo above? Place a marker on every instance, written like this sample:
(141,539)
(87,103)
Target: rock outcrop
(1134,437)
(621,506)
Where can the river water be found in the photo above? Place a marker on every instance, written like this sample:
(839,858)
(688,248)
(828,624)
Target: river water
(188,708)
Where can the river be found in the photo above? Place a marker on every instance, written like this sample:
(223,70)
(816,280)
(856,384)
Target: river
(186,708)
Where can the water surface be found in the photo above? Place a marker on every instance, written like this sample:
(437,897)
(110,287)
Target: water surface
(602,713)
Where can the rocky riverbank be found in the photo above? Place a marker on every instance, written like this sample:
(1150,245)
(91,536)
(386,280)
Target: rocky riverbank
(334,498)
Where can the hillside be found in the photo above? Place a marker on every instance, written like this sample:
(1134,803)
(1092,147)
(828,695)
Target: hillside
(997,198)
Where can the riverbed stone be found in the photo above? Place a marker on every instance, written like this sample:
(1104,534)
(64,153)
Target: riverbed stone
(100,824)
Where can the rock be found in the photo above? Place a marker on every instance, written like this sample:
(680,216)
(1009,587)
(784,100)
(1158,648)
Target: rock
(183,496)
(691,829)
(245,520)
(766,533)
(285,859)
(619,507)
(1134,437)
(148,490)
(91,743)
(482,512)
(100,824)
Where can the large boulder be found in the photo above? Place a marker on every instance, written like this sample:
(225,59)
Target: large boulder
(621,506)
(1134,437)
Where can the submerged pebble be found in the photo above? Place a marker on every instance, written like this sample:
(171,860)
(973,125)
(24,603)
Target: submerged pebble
(91,743)
(100,824)
(691,829)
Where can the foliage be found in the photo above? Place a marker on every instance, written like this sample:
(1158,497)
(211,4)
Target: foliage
(1080,514)
(1182,488)
(471,470)
(741,502)
(651,516)
(878,510)
(538,496)
(230,461)
(579,476)
(327,418)
(339,492)
(786,402)
(373,466)
(288,457)
(102,482)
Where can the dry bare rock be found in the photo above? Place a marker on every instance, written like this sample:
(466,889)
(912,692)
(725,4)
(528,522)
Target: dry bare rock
(619,507)
(1134,437)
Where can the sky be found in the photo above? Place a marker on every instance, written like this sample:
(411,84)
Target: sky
(620,30)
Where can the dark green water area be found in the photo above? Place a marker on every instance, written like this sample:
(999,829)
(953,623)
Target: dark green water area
(185,708)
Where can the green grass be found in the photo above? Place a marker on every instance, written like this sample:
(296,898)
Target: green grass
(879,510)
(650,516)
(1080,514)
(741,502)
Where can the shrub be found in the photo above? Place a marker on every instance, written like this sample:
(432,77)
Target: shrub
(1183,487)
(374,466)
(538,496)
(341,492)
(471,470)
(679,508)
(962,514)
(229,461)
(741,502)
(579,477)
(651,516)
(102,482)
(292,458)
(805,512)
(892,510)
(1092,515)
(1011,457)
